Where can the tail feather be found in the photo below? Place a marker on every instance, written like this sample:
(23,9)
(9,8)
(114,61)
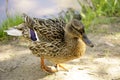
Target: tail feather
(28,20)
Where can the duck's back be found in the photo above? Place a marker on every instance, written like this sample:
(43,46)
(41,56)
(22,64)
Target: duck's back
(49,29)
(46,29)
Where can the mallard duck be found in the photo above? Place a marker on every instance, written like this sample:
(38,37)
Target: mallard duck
(58,42)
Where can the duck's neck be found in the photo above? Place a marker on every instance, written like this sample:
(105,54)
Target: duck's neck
(76,45)
(69,39)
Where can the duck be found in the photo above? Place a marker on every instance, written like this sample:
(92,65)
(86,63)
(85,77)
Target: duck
(55,40)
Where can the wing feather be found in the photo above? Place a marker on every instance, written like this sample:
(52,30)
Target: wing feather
(47,29)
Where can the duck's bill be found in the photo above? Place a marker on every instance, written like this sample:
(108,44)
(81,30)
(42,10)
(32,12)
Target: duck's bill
(87,41)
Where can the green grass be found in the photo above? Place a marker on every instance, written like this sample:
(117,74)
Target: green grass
(104,20)
(101,12)
(9,22)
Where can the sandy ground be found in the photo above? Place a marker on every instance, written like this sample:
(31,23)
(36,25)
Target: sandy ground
(99,63)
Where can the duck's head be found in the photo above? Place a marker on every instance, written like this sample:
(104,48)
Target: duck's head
(75,29)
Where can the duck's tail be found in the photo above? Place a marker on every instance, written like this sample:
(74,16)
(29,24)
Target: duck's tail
(28,20)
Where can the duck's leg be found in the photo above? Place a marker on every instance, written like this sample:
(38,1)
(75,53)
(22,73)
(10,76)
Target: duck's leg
(60,65)
(46,68)
(42,64)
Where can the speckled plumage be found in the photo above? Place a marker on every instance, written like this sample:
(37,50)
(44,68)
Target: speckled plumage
(47,29)
(58,41)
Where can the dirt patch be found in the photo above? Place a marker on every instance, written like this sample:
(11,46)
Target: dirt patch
(99,63)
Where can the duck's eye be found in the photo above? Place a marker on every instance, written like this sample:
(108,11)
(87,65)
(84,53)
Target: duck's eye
(82,31)
(79,30)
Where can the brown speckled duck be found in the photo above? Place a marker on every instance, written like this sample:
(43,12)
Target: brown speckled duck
(58,42)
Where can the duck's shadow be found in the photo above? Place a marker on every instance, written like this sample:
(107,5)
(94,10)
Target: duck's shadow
(20,65)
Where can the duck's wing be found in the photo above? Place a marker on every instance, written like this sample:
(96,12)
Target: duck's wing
(47,29)
(52,49)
